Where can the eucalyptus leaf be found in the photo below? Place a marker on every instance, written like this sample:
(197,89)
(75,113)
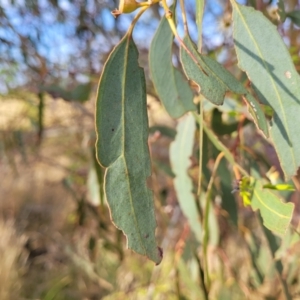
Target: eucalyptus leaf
(264,56)
(163,130)
(294,16)
(276,214)
(122,136)
(279,187)
(199,19)
(180,152)
(228,200)
(215,81)
(172,88)
(281,10)
(257,114)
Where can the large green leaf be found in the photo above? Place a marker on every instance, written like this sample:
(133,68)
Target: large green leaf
(172,88)
(263,55)
(122,132)
(215,81)
(276,214)
(180,152)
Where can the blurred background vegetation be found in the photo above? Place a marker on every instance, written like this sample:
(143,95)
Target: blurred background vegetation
(57,240)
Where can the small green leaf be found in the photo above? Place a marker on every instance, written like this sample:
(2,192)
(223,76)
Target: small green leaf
(276,214)
(79,93)
(264,56)
(228,199)
(122,136)
(180,152)
(294,16)
(163,130)
(257,114)
(217,81)
(172,88)
(279,187)
(281,10)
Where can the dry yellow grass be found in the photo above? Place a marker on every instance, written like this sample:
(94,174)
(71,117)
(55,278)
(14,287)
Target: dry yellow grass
(11,260)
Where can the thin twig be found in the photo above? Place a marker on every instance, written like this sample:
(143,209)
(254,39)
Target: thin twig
(169,16)
(143,9)
(200,147)
(183,14)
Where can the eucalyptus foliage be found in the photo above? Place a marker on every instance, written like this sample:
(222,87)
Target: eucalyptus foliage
(270,84)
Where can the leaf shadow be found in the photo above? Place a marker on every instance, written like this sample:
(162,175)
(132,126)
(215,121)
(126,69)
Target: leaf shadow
(276,120)
(271,69)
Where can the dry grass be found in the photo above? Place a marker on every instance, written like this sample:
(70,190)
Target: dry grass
(11,261)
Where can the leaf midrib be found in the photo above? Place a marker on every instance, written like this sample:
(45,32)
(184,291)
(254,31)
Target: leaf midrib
(269,208)
(123,141)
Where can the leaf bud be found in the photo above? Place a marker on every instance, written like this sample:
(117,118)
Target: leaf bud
(126,7)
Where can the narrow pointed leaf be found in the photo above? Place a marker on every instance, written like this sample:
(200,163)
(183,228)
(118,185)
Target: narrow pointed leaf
(228,199)
(276,214)
(122,132)
(281,10)
(257,114)
(180,152)
(263,55)
(199,18)
(172,88)
(217,81)
(279,187)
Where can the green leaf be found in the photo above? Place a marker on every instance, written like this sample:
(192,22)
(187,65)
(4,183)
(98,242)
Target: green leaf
(257,114)
(220,127)
(180,152)
(228,199)
(273,246)
(263,55)
(281,10)
(79,93)
(279,187)
(276,214)
(100,177)
(294,16)
(217,81)
(122,133)
(163,130)
(199,18)
(172,88)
